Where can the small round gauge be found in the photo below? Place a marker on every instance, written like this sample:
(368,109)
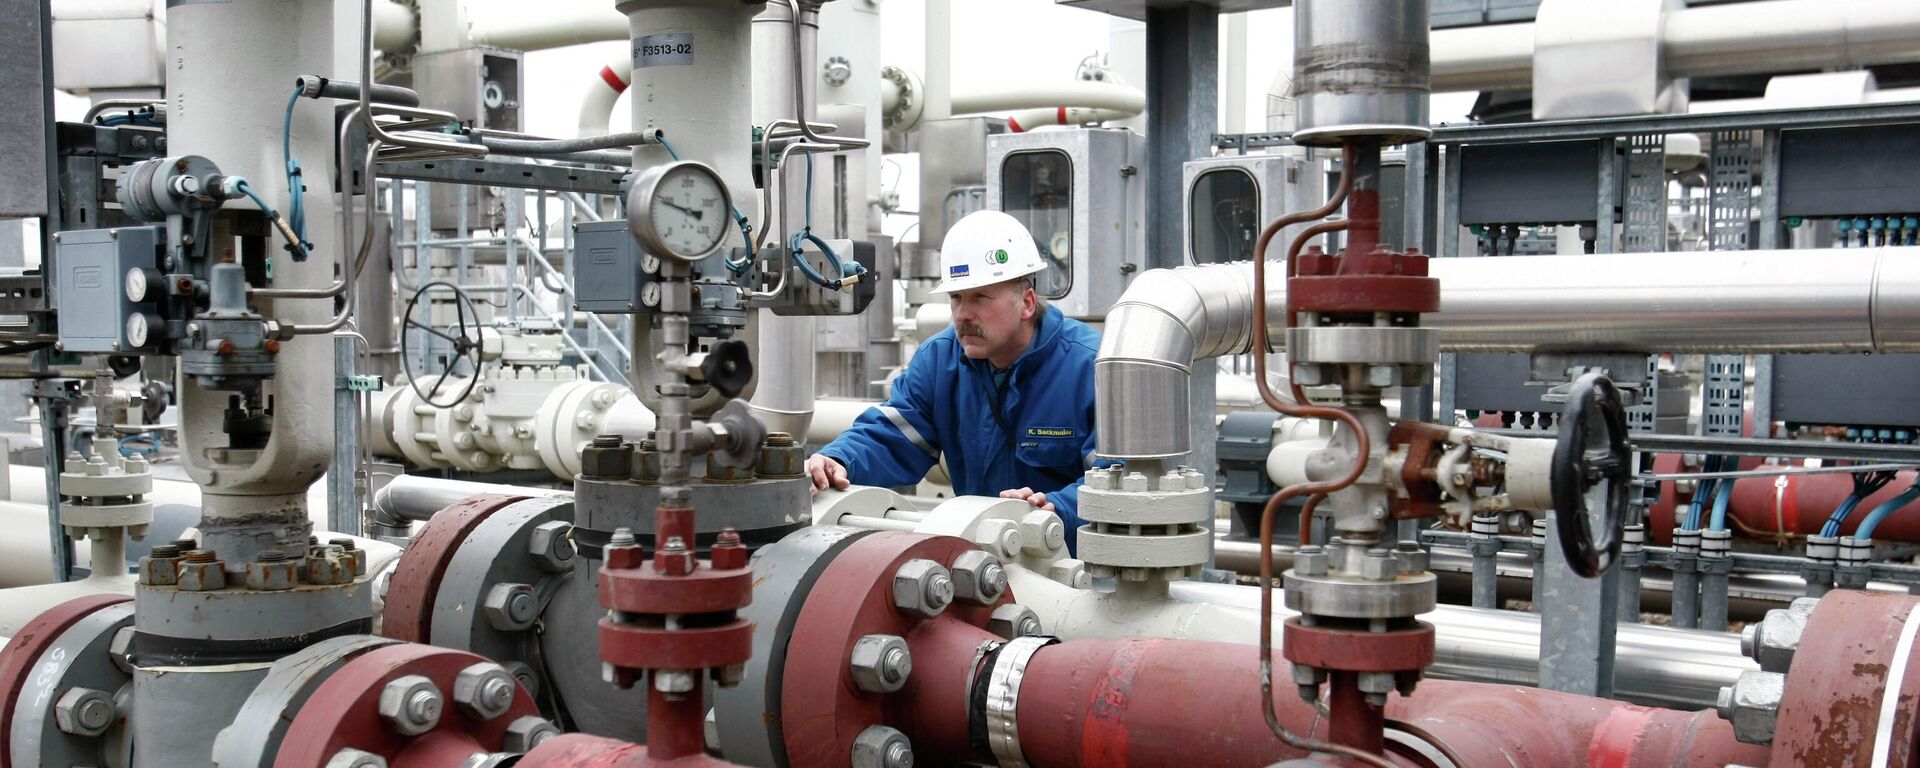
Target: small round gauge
(650,295)
(136,285)
(138,330)
(679,211)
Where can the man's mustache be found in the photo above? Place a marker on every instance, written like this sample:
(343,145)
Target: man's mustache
(969,330)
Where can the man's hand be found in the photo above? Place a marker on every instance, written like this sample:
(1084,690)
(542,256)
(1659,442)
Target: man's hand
(1030,496)
(825,472)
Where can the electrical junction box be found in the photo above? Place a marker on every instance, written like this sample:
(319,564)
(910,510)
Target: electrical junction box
(93,272)
(1227,200)
(608,273)
(1082,194)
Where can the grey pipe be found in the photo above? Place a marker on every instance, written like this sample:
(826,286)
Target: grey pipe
(1735,39)
(1820,300)
(407,498)
(542,147)
(317,87)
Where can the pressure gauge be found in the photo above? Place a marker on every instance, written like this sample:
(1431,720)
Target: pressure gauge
(139,330)
(679,211)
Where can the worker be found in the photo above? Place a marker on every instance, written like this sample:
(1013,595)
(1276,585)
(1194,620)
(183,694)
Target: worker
(1005,394)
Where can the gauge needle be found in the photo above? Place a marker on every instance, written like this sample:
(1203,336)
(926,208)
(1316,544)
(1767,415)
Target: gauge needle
(688,211)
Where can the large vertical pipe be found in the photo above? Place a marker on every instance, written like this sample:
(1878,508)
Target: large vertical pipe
(700,99)
(784,399)
(233,66)
(939,47)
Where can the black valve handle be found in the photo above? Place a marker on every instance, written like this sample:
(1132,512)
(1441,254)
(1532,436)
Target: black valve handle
(728,368)
(465,338)
(1590,450)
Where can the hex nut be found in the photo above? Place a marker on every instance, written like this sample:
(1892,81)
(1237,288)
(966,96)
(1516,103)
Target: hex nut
(159,571)
(484,691)
(120,649)
(511,607)
(1001,538)
(978,578)
(1070,572)
(411,705)
(881,663)
(202,577)
(599,460)
(1042,533)
(1752,704)
(1773,640)
(354,758)
(328,565)
(1310,561)
(1013,620)
(273,576)
(1379,567)
(84,712)
(922,588)
(526,733)
(551,546)
(1411,558)
(673,680)
(881,747)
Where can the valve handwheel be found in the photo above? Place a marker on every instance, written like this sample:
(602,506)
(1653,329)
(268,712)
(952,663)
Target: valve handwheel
(1591,452)
(465,338)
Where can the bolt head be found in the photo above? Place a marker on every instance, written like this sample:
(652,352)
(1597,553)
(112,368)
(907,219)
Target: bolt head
(1383,376)
(673,681)
(411,705)
(1310,561)
(1134,482)
(978,578)
(1071,572)
(120,649)
(484,691)
(880,663)
(354,758)
(1379,567)
(1775,639)
(922,588)
(1042,533)
(511,607)
(881,747)
(1013,620)
(84,712)
(526,733)
(551,546)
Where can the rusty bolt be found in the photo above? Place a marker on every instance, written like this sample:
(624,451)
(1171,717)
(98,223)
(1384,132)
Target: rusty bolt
(225,348)
(352,550)
(354,758)
(728,552)
(978,577)
(551,546)
(411,705)
(161,567)
(272,346)
(84,712)
(922,588)
(328,565)
(202,572)
(272,572)
(526,733)
(1013,620)
(780,456)
(880,663)
(606,457)
(484,691)
(511,607)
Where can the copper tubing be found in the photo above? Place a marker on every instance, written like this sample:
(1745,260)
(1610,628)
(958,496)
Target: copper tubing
(1300,408)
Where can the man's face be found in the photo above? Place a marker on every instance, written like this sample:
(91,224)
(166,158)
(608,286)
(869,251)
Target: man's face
(990,321)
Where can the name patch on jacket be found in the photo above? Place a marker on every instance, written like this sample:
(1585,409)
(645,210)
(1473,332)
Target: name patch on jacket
(1050,432)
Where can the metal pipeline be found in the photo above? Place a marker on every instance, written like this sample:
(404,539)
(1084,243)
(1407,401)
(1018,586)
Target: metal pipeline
(1768,509)
(1740,39)
(1829,300)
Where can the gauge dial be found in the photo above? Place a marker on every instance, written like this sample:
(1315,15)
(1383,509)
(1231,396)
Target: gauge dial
(680,211)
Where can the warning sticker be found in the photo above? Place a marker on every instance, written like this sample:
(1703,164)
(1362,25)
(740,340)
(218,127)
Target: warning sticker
(664,50)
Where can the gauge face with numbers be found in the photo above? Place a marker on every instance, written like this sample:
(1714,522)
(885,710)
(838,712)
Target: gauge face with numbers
(680,211)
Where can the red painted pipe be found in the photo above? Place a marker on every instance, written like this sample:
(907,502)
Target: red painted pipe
(1799,509)
(1148,701)
(578,750)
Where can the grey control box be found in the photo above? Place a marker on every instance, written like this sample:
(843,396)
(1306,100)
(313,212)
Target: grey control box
(608,274)
(90,269)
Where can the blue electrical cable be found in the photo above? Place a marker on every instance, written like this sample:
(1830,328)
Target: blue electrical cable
(746,228)
(1723,494)
(1864,485)
(296,188)
(298,249)
(805,235)
(1701,492)
(1886,510)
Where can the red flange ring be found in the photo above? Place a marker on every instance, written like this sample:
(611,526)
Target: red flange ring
(1363,293)
(415,582)
(1351,650)
(23,652)
(579,750)
(821,710)
(1837,711)
(344,712)
(638,646)
(706,590)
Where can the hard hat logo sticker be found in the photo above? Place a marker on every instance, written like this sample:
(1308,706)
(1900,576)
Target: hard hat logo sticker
(997,256)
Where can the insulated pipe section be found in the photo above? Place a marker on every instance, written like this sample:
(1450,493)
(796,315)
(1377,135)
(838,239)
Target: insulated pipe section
(1734,39)
(1827,300)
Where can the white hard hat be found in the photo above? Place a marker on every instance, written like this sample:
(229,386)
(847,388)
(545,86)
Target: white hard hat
(986,247)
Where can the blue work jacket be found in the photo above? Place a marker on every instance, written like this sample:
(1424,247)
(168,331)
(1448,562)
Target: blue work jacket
(1038,435)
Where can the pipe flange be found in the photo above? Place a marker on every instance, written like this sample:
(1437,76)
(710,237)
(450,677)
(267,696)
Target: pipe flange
(1003,697)
(1363,345)
(906,112)
(61,651)
(253,740)
(1346,597)
(489,557)
(416,577)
